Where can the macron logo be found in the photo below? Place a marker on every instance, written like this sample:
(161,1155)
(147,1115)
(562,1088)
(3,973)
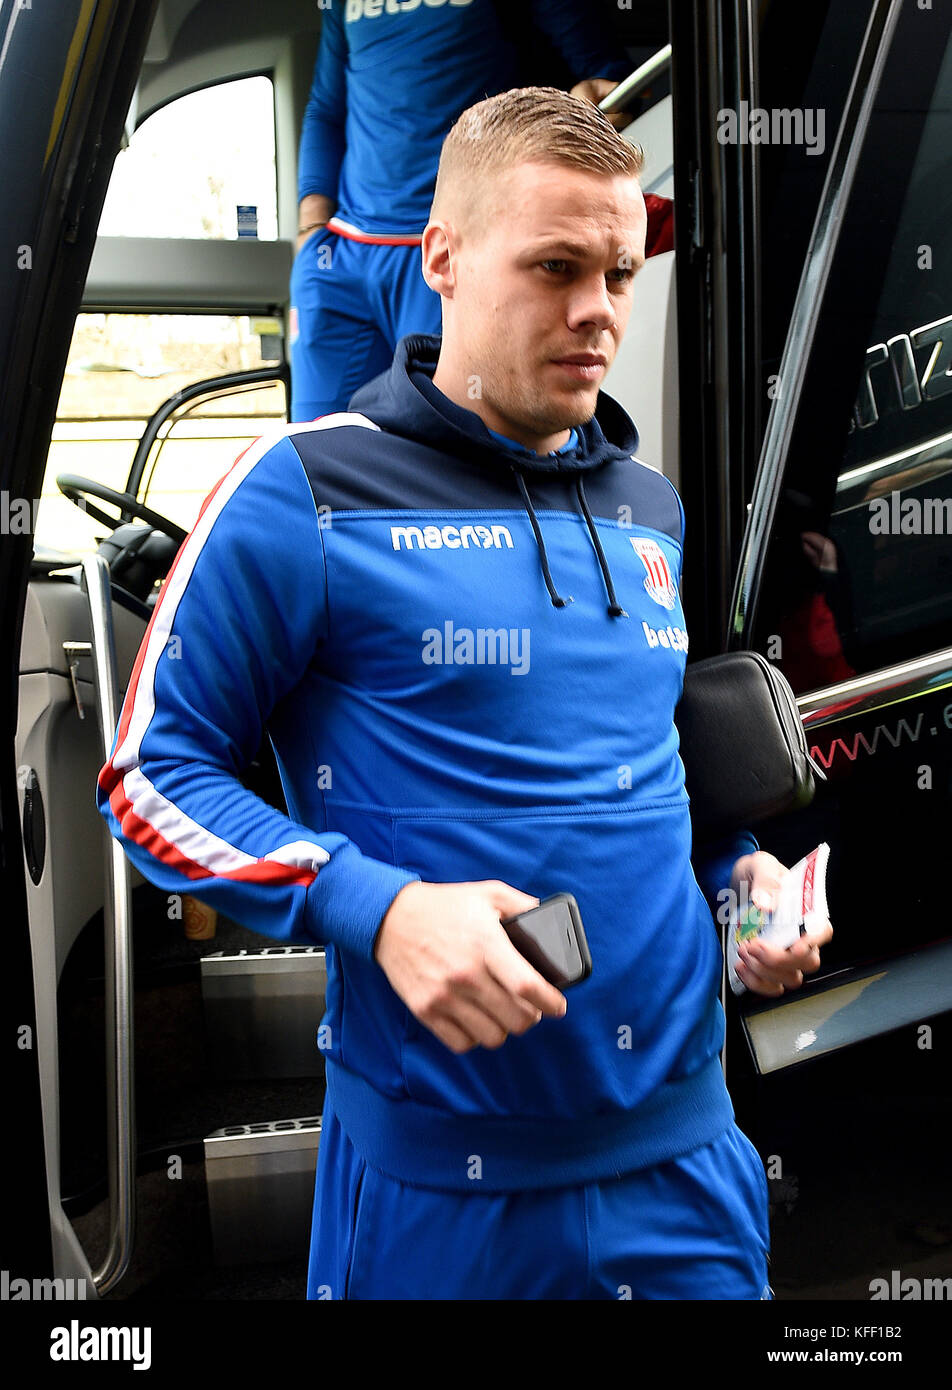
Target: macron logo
(450,537)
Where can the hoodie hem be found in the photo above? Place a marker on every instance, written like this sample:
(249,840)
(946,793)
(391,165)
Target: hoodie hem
(425,1147)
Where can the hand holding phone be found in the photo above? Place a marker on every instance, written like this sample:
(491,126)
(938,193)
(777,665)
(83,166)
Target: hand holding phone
(552,939)
(440,947)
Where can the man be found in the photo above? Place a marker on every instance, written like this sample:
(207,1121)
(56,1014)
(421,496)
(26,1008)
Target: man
(388,83)
(434,597)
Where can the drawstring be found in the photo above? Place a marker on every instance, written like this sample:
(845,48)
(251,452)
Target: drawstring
(615,609)
(557,600)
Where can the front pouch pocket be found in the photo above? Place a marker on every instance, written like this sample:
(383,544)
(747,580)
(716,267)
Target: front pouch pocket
(653,945)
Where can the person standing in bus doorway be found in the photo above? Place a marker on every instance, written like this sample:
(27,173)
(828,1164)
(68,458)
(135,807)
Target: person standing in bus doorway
(388,83)
(473,648)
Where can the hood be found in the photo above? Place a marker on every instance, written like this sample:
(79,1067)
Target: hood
(405,402)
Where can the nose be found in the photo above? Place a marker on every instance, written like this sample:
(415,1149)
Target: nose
(591,304)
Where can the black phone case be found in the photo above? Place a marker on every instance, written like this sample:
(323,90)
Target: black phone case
(527,946)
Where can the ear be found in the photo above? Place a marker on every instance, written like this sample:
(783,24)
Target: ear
(438,251)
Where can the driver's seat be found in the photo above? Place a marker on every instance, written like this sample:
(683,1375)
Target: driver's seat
(137,556)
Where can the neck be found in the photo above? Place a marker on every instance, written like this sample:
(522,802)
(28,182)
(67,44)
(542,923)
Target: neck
(456,385)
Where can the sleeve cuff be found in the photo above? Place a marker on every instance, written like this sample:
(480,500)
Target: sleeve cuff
(617,69)
(323,189)
(350,897)
(715,861)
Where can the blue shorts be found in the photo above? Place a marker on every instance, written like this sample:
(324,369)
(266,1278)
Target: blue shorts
(350,304)
(693,1228)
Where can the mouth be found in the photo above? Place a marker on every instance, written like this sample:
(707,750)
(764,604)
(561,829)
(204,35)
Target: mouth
(582,366)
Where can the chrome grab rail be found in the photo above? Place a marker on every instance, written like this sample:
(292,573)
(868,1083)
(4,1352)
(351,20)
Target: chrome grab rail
(824,240)
(635,83)
(117,922)
(890,685)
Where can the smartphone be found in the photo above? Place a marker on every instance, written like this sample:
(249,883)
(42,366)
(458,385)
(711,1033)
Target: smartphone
(552,939)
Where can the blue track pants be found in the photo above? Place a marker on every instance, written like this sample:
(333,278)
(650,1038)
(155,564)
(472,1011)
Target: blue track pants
(693,1228)
(350,304)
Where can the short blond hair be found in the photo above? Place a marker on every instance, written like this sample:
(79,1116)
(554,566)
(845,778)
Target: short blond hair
(537,125)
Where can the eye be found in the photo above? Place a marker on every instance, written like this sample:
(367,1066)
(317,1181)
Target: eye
(555,267)
(622,276)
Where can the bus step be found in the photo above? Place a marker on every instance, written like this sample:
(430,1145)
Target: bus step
(262,1011)
(260,1181)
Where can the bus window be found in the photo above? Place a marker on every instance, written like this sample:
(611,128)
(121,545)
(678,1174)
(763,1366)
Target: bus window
(192,164)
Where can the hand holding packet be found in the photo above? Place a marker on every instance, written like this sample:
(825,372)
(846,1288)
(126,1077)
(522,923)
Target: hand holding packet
(801,908)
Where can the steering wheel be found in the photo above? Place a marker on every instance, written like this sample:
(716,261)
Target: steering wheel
(77,489)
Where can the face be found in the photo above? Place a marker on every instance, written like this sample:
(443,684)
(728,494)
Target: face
(539,298)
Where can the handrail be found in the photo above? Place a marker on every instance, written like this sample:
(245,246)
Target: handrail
(117,920)
(635,83)
(211,386)
(889,685)
(804,317)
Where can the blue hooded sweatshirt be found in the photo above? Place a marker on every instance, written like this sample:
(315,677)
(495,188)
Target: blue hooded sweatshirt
(393,75)
(467,657)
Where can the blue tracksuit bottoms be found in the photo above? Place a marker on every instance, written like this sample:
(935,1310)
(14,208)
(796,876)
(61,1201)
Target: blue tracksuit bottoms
(693,1228)
(350,304)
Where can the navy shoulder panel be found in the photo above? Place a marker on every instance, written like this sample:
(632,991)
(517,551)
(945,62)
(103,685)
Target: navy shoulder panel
(632,493)
(353,465)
